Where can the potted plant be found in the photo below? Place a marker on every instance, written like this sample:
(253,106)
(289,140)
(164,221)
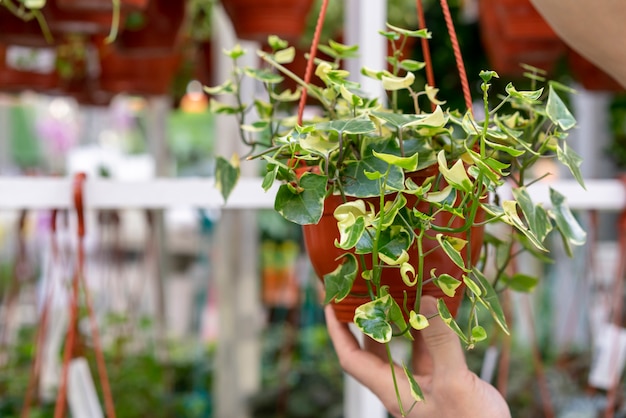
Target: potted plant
(402,189)
(255,20)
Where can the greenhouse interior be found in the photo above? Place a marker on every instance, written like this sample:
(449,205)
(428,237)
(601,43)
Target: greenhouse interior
(167,168)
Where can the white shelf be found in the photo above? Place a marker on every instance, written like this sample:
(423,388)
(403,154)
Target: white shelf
(171,193)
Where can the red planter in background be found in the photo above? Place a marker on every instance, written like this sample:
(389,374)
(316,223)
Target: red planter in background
(101,5)
(255,19)
(514,33)
(136,73)
(160,31)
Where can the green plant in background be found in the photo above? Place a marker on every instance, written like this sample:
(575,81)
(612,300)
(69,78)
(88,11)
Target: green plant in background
(143,384)
(362,149)
(308,382)
(616,150)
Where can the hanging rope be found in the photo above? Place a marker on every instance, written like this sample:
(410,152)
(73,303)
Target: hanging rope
(430,75)
(457,55)
(312,53)
(77,280)
(42,325)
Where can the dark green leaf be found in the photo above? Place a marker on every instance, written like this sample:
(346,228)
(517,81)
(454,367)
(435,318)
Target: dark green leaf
(490,300)
(303,204)
(372,318)
(572,160)
(449,320)
(362,125)
(558,113)
(522,282)
(338,283)
(226,176)
(566,223)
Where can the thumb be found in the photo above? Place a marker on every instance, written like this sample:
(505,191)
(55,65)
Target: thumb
(442,343)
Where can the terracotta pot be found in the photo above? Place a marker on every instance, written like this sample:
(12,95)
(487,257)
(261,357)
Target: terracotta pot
(161,30)
(101,5)
(319,241)
(256,19)
(78,21)
(143,74)
(514,33)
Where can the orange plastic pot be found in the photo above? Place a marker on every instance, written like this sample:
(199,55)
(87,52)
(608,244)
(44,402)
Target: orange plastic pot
(255,20)
(320,238)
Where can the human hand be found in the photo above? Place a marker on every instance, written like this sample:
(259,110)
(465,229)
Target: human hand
(450,389)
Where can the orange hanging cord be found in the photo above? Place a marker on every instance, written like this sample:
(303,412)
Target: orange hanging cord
(457,55)
(312,53)
(70,343)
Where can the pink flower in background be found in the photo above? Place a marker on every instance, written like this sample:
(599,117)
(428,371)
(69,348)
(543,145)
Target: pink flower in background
(58,127)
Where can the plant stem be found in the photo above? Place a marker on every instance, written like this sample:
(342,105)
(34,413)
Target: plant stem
(395,380)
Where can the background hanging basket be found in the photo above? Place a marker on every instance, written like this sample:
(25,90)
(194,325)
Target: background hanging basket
(254,19)
(514,33)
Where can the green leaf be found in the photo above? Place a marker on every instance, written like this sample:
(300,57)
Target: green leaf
(285,56)
(361,125)
(350,222)
(566,223)
(447,284)
(318,145)
(263,76)
(508,214)
(417,321)
(356,182)
(412,65)
(522,282)
(558,113)
(338,283)
(456,175)
(450,251)
(490,300)
(372,318)
(571,160)
(34,4)
(406,163)
(416,391)
(446,316)
(532,96)
(536,216)
(276,42)
(392,83)
(305,204)
(226,175)
(235,53)
(438,196)
(269,178)
(472,286)
(421,33)
(488,75)
(478,333)
(218,107)
(225,87)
